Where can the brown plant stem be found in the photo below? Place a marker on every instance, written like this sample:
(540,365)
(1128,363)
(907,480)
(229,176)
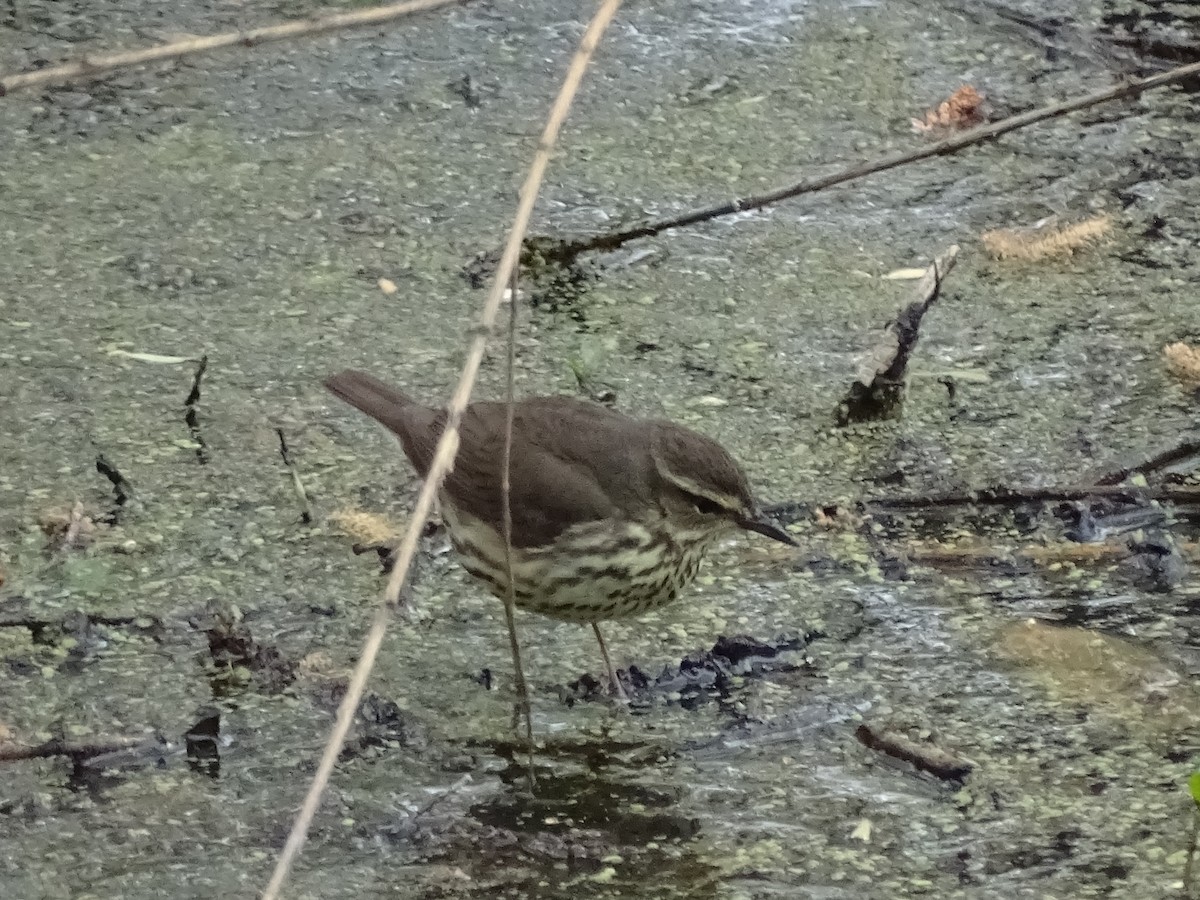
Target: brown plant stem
(510,597)
(1189,883)
(306,510)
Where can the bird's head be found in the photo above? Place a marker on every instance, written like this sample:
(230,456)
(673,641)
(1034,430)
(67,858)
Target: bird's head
(702,487)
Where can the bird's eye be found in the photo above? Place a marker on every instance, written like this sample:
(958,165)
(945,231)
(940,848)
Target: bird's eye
(707,507)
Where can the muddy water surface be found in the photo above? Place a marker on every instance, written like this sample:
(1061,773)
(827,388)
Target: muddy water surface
(244,207)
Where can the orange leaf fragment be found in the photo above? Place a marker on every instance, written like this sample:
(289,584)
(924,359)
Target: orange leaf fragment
(963,109)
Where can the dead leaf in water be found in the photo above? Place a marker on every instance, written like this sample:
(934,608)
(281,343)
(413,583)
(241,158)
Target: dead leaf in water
(862,831)
(961,110)
(68,529)
(320,664)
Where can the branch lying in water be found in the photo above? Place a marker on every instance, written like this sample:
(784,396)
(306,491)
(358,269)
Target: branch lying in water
(93,66)
(925,757)
(565,252)
(77,751)
(1014,496)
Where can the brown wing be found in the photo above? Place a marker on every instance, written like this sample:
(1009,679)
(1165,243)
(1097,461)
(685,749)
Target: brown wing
(563,451)
(572,462)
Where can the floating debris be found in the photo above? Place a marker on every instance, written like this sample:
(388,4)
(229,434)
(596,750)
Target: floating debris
(1183,362)
(962,110)
(1035,244)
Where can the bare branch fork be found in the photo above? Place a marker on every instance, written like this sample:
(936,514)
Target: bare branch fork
(447,446)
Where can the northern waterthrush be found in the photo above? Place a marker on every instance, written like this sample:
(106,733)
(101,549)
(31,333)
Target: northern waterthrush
(611,515)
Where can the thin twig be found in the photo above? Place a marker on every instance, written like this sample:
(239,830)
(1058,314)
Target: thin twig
(191,415)
(122,490)
(1185,449)
(306,513)
(447,446)
(1013,496)
(409,825)
(77,752)
(94,66)
(1189,884)
(607,242)
(510,595)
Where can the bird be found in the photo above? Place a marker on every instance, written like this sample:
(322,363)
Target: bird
(611,515)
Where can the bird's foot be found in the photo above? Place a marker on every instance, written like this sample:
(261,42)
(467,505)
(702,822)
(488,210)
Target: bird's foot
(385,549)
(616,689)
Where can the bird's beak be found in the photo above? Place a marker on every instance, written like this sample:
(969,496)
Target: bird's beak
(758,522)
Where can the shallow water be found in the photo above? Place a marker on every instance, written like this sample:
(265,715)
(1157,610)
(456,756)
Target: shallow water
(244,206)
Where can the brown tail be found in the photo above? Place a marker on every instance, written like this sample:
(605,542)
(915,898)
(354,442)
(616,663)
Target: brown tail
(417,426)
(368,394)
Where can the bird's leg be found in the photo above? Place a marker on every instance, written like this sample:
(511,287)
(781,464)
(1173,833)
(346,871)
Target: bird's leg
(612,673)
(519,682)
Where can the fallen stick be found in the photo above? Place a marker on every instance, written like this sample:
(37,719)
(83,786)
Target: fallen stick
(1063,551)
(1185,449)
(925,757)
(306,513)
(77,752)
(191,414)
(1013,496)
(89,66)
(1038,554)
(35,624)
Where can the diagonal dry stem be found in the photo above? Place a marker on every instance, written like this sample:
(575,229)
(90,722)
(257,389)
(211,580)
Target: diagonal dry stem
(443,457)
